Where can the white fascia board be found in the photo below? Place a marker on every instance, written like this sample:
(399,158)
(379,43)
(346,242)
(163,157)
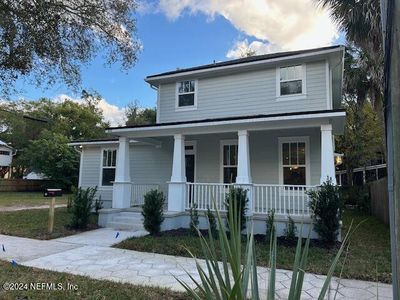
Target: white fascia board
(94,143)
(154,130)
(156,79)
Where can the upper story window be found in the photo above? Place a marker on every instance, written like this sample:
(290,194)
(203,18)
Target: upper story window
(3,152)
(186,94)
(291,80)
(108,167)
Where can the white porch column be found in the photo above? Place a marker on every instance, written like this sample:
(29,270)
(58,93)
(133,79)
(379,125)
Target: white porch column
(177,185)
(243,177)
(243,168)
(122,186)
(327,158)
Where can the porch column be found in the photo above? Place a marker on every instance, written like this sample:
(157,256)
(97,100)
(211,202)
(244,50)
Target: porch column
(243,177)
(177,185)
(327,159)
(122,186)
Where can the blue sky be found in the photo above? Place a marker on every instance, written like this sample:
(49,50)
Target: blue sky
(179,33)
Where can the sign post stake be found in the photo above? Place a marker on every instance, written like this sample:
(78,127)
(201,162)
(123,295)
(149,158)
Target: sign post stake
(51,214)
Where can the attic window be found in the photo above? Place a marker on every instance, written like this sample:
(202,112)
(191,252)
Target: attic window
(2,152)
(291,80)
(186,94)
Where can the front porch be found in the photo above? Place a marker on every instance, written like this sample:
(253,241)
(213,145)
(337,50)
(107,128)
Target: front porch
(276,162)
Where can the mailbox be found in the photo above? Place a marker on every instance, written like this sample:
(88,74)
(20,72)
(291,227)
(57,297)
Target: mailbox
(52,193)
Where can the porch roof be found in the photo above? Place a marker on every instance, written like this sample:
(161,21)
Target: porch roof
(305,119)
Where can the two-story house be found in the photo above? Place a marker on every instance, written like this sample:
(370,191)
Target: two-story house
(265,123)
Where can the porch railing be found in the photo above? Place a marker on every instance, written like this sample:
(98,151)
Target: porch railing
(138,192)
(283,199)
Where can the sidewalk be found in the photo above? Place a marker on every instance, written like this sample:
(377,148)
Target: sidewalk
(89,254)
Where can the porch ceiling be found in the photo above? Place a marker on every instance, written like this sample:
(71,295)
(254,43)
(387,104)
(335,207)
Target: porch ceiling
(250,123)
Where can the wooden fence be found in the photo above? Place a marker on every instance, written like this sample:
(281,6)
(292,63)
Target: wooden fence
(379,199)
(23,185)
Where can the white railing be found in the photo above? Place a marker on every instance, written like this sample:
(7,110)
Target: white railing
(283,199)
(138,192)
(206,194)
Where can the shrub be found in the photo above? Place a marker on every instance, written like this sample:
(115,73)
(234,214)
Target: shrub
(212,223)
(98,204)
(153,211)
(238,195)
(357,196)
(270,224)
(82,205)
(194,219)
(326,206)
(290,230)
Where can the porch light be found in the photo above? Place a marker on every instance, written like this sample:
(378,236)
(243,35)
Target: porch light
(338,158)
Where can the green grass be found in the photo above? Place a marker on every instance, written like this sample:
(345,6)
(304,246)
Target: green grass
(86,288)
(368,258)
(33,223)
(8,199)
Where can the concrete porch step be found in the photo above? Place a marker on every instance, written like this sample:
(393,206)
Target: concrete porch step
(125,226)
(128,220)
(130,214)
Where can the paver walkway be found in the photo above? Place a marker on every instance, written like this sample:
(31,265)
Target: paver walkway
(89,254)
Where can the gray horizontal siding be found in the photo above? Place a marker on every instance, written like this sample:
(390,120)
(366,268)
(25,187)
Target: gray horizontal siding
(246,93)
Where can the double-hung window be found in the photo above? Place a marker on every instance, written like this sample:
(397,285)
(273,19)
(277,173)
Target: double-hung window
(186,94)
(108,167)
(291,80)
(294,162)
(229,161)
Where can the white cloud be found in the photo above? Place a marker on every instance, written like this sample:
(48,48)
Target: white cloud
(242,47)
(278,24)
(112,113)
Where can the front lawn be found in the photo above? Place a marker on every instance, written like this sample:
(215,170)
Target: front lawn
(33,223)
(86,288)
(368,258)
(20,199)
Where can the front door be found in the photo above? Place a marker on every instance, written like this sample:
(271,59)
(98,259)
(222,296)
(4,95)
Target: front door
(189,161)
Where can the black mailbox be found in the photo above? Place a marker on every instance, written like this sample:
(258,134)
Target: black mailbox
(52,193)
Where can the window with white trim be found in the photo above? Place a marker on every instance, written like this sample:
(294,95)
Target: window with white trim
(186,93)
(294,165)
(3,152)
(229,162)
(108,167)
(291,80)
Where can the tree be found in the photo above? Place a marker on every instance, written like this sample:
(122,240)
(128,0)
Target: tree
(51,156)
(135,115)
(360,20)
(75,31)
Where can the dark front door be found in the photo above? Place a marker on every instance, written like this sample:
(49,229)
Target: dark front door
(189,161)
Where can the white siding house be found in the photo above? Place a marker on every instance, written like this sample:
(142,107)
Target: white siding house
(265,123)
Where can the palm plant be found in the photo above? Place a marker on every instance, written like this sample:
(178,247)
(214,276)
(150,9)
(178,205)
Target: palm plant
(234,275)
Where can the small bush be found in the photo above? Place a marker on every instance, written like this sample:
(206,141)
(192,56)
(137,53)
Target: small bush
(98,204)
(290,230)
(82,201)
(212,223)
(153,211)
(239,195)
(194,219)
(326,206)
(270,224)
(357,196)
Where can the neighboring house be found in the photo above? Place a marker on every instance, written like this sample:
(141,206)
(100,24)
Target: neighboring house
(6,156)
(266,123)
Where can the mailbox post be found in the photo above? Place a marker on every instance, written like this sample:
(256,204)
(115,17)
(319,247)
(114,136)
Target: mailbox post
(53,193)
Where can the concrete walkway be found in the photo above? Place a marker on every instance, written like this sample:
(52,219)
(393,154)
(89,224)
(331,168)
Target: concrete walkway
(89,254)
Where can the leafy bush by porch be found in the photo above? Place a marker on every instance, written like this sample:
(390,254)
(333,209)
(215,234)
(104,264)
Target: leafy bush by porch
(83,200)
(326,206)
(153,210)
(237,195)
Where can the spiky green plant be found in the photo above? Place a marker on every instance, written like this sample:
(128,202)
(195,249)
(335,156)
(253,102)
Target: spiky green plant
(235,274)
